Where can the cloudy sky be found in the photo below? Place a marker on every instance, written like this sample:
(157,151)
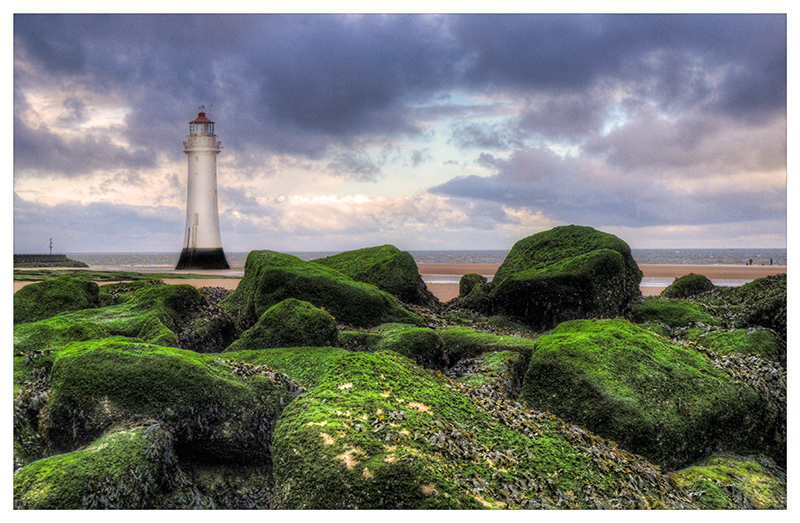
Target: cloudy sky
(423,131)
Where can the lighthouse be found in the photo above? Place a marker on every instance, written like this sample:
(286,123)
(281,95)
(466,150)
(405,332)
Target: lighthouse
(202,244)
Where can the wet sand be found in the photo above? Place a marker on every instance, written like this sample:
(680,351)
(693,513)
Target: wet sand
(448,291)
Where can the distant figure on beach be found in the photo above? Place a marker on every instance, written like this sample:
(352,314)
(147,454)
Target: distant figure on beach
(770,261)
(751,261)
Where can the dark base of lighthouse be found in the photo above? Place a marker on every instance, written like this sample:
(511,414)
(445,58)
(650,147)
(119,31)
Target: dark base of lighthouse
(202,259)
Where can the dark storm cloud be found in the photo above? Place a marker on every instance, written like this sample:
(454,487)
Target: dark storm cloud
(355,165)
(54,155)
(572,190)
(556,52)
(301,83)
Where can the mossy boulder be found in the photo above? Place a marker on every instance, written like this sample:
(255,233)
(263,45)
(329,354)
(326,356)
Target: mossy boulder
(688,286)
(468,282)
(303,365)
(377,432)
(216,413)
(385,267)
(122,469)
(42,300)
(290,323)
(760,303)
(420,344)
(673,314)
(661,399)
(271,277)
(763,343)
(565,273)
(735,482)
(120,292)
(157,314)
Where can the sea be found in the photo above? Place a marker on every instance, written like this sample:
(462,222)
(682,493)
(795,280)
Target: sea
(160,261)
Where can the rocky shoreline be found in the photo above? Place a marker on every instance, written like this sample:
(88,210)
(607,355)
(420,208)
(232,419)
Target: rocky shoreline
(345,383)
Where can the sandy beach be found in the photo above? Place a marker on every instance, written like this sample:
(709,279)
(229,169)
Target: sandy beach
(431,272)
(448,291)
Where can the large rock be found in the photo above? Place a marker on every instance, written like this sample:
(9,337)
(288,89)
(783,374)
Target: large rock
(156,314)
(290,323)
(377,432)
(688,286)
(271,277)
(661,399)
(735,482)
(120,470)
(565,273)
(39,301)
(760,303)
(385,267)
(214,411)
(672,314)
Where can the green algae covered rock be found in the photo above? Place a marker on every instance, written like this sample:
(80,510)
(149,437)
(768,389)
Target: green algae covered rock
(565,273)
(465,342)
(290,323)
(157,314)
(663,400)
(39,301)
(420,344)
(377,432)
(120,292)
(122,469)
(688,286)
(271,277)
(215,412)
(303,365)
(385,267)
(734,482)
(468,282)
(763,343)
(673,314)
(760,303)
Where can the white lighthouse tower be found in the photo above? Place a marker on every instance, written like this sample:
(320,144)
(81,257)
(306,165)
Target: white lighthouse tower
(202,244)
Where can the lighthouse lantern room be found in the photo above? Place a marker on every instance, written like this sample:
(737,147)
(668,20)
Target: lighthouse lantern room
(202,244)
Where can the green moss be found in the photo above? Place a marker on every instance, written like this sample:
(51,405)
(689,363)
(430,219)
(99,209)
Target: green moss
(216,413)
(657,328)
(39,301)
(119,470)
(290,323)
(303,365)
(688,286)
(379,432)
(565,273)
(545,251)
(468,282)
(420,344)
(385,267)
(760,303)
(760,342)
(712,480)
(272,277)
(153,315)
(116,293)
(663,400)
(465,342)
(672,313)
